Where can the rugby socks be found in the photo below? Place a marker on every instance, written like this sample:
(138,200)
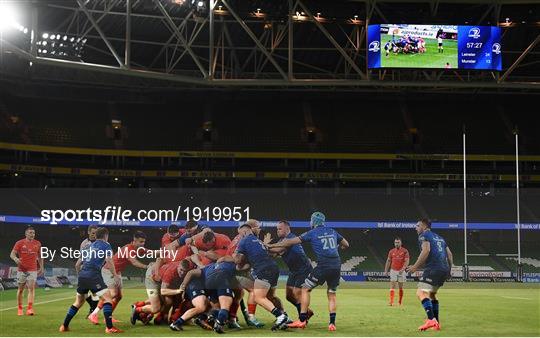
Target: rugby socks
(298,308)
(107,313)
(428,306)
(179,322)
(98,307)
(222,317)
(392,293)
(303,316)
(277,312)
(92,303)
(400,296)
(333,318)
(214,313)
(251,309)
(70,314)
(233,310)
(435,304)
(30,305)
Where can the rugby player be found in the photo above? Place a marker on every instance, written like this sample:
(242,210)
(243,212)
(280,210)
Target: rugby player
(26,254)
(325,242)
(246,283)
(437,260)
(85,244)
(172,234)
(397,262)
(91,279)
(265,273)
(124,257)
(161,293)
(298,263)
(218,279)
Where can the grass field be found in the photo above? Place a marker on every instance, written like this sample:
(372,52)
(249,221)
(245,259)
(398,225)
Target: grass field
(430,59)
(477,309)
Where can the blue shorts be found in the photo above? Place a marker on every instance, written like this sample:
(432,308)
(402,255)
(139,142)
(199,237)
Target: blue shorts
(91,282)
(297,278)
(214,294)
(434,277)
(218,280)
(320,275)
(269,275)
(195,289)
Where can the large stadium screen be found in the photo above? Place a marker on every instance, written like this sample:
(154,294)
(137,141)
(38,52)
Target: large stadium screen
(434,46)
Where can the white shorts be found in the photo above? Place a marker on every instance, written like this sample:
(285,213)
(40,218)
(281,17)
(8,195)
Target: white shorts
(427,287)
(396,276)
(152,287)
(109,279)
(24,277)
(245,282)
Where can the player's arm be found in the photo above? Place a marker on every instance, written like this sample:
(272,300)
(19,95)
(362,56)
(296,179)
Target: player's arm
(344,244)
(276,251)
(136,263)
(41,266)
(191,240)
(167,291)
(13,256)
(421,258)
(387,265)
(110,265)
(78,265)
(195,273)
(450,257)
(406,264)
(195,259)
(211,255)
(173,245)
(286,243)
(226,258)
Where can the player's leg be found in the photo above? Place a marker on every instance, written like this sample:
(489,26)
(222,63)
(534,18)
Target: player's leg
(261,290)
(162,317)
(313,279)
(21,285)
(200,303)
(400,284)
(435,304)
(233,320)
(31,285)
(293,296)
(105,294)
(74,308)
(247,284)
(225,300)
(92,303)
(332,278)
(332,307)
(153,305)
(116,296)
(393,282)
(275,299)
(423,293)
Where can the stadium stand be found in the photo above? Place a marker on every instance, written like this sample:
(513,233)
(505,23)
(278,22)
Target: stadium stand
(271,125)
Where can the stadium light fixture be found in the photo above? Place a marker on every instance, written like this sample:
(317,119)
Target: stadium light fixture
(258,14)
(8,17)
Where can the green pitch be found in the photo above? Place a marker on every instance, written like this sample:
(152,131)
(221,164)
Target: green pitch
(430,59)
(477,309)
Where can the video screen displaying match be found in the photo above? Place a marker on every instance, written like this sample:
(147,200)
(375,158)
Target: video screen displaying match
(434,46)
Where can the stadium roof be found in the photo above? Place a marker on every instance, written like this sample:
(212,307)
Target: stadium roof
(269,44)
